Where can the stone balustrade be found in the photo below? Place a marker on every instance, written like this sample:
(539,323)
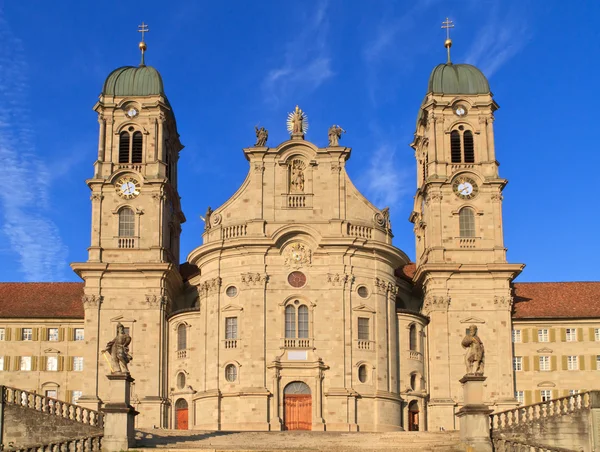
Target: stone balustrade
(48,405)
(90,443)
(234,231)
(510,445)
(364,232)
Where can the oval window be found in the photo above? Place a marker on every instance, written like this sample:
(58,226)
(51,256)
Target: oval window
(231,291)
(180,380)
(297,279)
(231,373)
(363,292)
(362,373)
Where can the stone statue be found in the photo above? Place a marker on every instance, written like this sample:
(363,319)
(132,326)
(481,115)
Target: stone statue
(385,212)
(209,212)
(119,351)
(297,177)
(474,358)
(297,119)
(262,136)
(334,134)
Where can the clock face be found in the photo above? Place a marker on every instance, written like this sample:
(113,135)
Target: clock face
(132,112)
(128,187)
(465,187)
(460,111)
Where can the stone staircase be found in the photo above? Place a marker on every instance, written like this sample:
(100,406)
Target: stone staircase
(297,441)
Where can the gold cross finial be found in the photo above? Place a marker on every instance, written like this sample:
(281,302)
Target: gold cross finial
(143,29)
(448,24)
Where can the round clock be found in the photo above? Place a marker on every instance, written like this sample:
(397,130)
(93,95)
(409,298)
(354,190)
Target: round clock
(297,279)
(132,112)
(465,187)
(460,110)
(128,187)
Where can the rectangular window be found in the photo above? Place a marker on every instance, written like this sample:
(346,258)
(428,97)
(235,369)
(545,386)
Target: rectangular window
(544,363)
(546,394)
(1,334)
(303,322)
(571,334)
(1,362)
(52,393)
(53,334)
(516,336)
(290,322)
(543,335)
(25,363)
(597,362)
(27,334)
(573,391)
(52,363)
(75,395)
(572,362)
(363,329)
(520,396)
(78,363)
(78,334)
(231,331)
(597,334)
(518,363)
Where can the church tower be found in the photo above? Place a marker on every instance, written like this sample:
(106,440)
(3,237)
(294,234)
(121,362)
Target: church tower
(461,257)
(132,271)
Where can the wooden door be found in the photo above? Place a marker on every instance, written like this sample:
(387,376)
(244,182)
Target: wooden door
(413,421)
(182,418)
(298,411)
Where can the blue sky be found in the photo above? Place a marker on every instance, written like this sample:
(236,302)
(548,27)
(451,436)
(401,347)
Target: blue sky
(362,64)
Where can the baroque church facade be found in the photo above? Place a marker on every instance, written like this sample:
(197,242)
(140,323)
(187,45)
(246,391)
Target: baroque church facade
(296,311)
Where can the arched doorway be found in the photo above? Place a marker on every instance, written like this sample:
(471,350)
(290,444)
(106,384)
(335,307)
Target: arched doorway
(413,416)
(297,402)
(181,414)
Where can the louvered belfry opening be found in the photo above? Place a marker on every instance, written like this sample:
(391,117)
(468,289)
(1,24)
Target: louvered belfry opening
(136,148)
(124,147)
(455,150)
(468,145)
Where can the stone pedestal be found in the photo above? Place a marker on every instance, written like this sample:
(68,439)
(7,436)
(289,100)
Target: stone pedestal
(474,416)
(119,433)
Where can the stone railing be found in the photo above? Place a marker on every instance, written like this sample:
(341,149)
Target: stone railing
(539,411)
(417,356)
(363,344)
(231,232)
(131,166)
(126,242)
(364,232)
(297,343)
(230,343)
(468,242)
(461,166)
(181,354)
(89,443)
(37,402)
(511,445)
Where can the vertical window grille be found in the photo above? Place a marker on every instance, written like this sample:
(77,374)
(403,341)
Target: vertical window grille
(182,337)
(126,223)
(290,322)
(303,322)
(231,331)
(468,146)
(136,148)
(412,337)
(466,219)
(124,147)
(363,329)
(455,150)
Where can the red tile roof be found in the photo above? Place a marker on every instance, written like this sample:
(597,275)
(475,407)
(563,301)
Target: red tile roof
(556,299)
(407,271)
(41,300)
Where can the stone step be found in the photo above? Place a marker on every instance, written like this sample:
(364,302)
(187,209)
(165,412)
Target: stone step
(193,440)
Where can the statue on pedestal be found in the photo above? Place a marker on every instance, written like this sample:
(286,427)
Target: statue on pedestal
(474,358)
(119,351)
(209,212)
(262,135)
(297,123)
(334,134)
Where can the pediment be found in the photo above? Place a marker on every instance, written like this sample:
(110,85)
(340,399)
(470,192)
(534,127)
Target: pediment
(364,308)
(121,318)
(51,350)
(544,350)
(546,384)
(472,320)
(232,307)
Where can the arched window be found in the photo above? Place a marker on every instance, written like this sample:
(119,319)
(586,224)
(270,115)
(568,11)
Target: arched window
(362,373)
(303,322)
(412,337)
(468,146)
(413,382)
(290,322)
(296,321)
(455,146)
(124,147)
(136,148)
(126,223)
(180,380)
(231,373)
(182,337)
(466,218)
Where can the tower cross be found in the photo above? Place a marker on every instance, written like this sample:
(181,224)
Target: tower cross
(143,29)
(448,24)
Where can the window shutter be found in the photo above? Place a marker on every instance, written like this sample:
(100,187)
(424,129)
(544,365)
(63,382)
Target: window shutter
(553,362)
(525,335)
(534,334)
(581,360)
(468,145)
(7,363)
(552,335)
(61,334)
(124,147)
(455,152)
(592,333)
(34,361)
(7,334)
(69,363)
(137,148)
(563,334)
(564,363)
(579,334)
(564,393)
(43,363)
(593,362)
(525,363)
(70,334)
(35,334)
(68,396)
(538,396)
(527,397)
(17,362)
(61,363)
(18,334)
(536,362)
(44,335)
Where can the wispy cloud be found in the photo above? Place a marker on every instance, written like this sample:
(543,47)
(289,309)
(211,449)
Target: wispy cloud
(31,234)
(306,62)
(499,39)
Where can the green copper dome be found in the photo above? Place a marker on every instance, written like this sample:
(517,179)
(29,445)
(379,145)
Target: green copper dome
(457,79)
(134,81)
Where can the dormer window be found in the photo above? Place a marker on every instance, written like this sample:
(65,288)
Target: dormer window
(130,146)
(462,146)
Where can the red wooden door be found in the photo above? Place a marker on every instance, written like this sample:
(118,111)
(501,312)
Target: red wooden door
(182,418)
(413,421)
(298,411)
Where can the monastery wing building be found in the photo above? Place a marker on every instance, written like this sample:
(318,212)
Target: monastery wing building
(296,311)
